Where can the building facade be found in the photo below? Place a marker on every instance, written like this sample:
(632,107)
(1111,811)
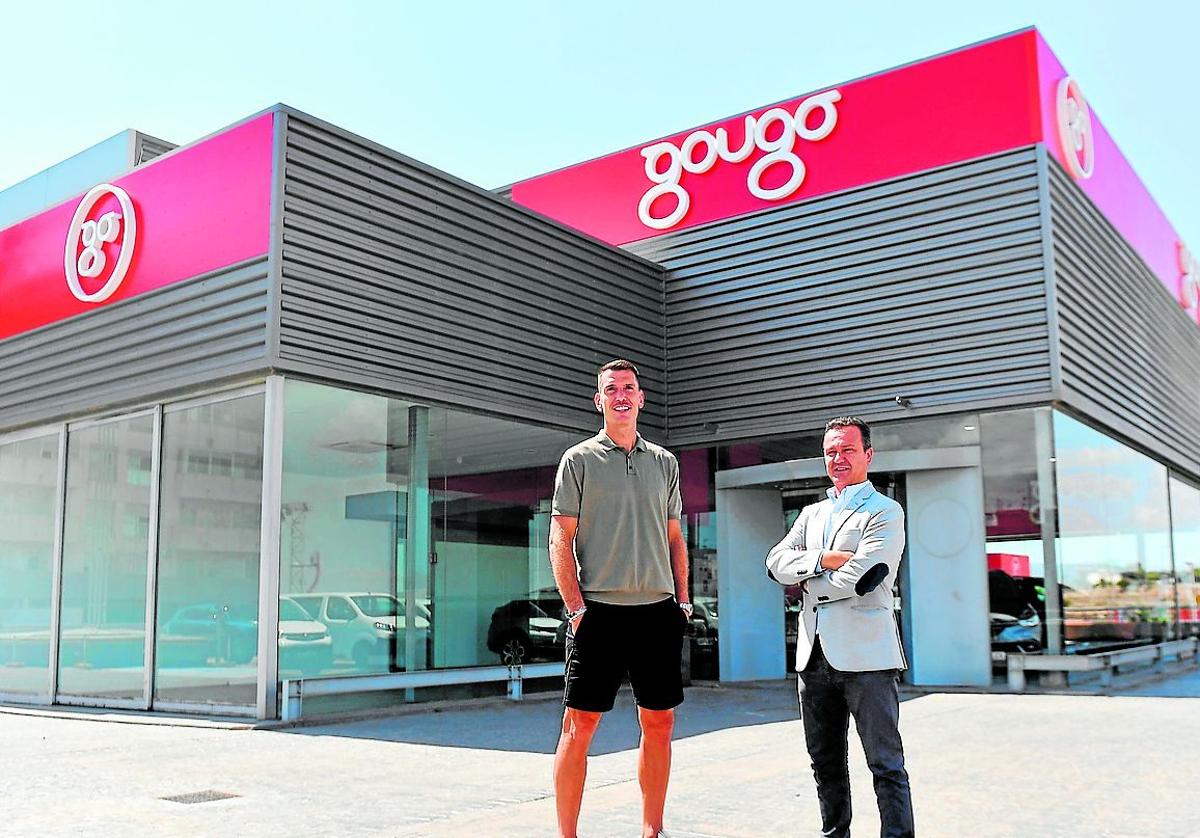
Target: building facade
(290,403)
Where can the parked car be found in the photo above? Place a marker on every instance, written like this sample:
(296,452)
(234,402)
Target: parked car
(366,627)
(704,618)
(1016,606)
(1021,633)
(527,629)
(230,633)
(222,632)
(704,639)
(304,643)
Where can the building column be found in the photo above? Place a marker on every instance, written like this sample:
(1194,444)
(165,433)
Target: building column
(418,544)
(750,604)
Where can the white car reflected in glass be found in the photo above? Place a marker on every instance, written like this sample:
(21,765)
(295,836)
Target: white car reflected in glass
(367,628)
(304,643)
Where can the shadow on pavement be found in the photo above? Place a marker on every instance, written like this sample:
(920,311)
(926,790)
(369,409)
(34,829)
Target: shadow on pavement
(534,726)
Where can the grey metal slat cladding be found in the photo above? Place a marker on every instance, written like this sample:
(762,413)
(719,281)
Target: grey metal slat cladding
(930,287)
(405,280)
(1130,354)
(206,329)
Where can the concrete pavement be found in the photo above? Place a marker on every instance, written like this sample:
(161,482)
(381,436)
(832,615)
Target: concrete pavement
(982,765)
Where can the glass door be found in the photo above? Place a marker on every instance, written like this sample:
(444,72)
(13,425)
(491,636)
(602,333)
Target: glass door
(29,494)
(207,577)
(160,557)
(106,541)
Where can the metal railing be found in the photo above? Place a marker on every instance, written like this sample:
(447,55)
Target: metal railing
(1106,663)
(295,690)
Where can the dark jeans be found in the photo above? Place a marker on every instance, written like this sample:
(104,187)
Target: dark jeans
(828,698)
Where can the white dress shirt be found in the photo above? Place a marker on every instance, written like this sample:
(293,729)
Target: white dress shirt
(841,502)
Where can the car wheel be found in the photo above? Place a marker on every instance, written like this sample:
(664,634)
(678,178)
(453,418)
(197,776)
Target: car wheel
(515,651)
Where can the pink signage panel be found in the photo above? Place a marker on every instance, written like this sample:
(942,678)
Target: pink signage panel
(979,100)
(199,209)
(1107,178)
(953,107)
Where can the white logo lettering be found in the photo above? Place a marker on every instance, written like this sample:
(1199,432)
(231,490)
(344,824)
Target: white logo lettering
(94,235)
(1075,129)
(1189,280)
(701,150)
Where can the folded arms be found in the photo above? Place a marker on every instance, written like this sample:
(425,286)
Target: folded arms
(882,543)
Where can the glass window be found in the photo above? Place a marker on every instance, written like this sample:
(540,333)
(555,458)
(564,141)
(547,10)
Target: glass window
(290,610)
(340,609)
(700,529)
(932,432)
(698,491)
(1013,526)
(343,526)
(479,522)
(1114,545)
(310,604)
(1010,485)
(491,596)
(208,549)
(102,648)
(28,500)
(1185,529)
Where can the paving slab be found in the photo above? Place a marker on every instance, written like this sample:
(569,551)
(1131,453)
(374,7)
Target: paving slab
(982,765)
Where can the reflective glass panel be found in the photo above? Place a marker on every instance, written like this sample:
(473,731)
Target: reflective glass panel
(208,544)
(1013,524)
(1185,526)
(703,635)
(343,533)
(491,594)
(1114,546)
(698,491)
(105,541)
(28,499)
(932,432)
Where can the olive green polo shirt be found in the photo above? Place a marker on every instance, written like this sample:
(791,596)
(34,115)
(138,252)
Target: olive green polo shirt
(623,502)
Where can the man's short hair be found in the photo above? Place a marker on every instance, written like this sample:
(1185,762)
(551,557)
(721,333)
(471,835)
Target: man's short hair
(851,422)
(618,364)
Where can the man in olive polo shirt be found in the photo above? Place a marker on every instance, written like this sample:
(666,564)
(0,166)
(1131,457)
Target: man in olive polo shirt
(620,562)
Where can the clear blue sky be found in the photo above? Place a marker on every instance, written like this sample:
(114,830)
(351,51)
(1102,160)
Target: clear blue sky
(494,92)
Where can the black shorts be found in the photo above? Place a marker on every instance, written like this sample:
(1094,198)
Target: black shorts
(644,642)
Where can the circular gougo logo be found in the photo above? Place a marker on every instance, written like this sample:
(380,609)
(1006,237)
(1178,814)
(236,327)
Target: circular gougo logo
(1075,129)
(93,234)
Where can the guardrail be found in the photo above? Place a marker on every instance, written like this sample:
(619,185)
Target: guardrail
(1107,663)
(295,690)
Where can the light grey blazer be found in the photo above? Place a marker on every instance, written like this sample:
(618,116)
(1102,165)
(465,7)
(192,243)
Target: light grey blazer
(858,633)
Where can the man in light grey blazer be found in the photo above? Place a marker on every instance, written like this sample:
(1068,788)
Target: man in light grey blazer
(845,552)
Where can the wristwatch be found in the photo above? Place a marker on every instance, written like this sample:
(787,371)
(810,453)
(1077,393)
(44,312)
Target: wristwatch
(686,608)
(570,616)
